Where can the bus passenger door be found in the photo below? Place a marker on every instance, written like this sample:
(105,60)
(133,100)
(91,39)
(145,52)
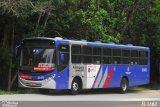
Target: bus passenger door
(62,77)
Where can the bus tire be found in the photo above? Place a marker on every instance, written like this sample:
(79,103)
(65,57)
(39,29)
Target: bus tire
(75,87)
(124,85)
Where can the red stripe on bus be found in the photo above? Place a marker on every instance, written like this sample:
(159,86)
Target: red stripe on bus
(108,78)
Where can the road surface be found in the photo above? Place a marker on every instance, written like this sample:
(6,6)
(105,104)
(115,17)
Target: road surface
(93,95)
(89,99)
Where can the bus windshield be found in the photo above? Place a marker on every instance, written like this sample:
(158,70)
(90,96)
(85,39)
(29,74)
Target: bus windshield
(41,58)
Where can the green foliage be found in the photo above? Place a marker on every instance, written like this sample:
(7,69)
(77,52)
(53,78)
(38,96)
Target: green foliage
(16,8)
(90,24)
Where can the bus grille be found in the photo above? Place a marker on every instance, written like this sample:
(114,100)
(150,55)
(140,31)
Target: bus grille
(33,84)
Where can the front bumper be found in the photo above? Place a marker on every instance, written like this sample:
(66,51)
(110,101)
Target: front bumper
(48,83)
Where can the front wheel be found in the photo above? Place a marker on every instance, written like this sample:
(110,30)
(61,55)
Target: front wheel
(124,85)
(75,87)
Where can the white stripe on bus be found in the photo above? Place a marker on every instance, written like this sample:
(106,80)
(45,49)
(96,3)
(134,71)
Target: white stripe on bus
(104,78)
(98,78)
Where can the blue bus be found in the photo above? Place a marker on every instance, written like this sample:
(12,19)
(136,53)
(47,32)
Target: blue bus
(56,63)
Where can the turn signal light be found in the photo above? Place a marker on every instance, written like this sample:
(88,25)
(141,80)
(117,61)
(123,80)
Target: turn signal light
(25,76)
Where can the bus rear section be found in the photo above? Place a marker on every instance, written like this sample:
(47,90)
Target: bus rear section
(98,65)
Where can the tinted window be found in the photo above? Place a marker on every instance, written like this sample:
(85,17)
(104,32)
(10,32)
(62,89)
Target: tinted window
(116,59)
(76,54)
(76,49)
(126,56)
(106,60)
(87,59)
(116,52)
(143,57)
(87,54)
(126,53)
(97,59)
(134,61)
(126,60)
(96,51)
(106,52)
(143,61)
(64,49)
(134,53)
(143,54)
(96,55)
(76,59)
(134,57)
(87,50)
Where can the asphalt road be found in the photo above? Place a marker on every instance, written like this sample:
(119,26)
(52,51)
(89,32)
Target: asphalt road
(93,95)
(87,99)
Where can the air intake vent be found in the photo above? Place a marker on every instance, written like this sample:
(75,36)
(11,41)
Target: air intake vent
(33,84)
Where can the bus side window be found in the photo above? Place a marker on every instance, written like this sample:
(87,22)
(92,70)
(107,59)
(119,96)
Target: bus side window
(76,54)
(87,54)
(134,57)
(116,56)
(126,56)
(63,57)
(106,59)
(96,55)
(143,57)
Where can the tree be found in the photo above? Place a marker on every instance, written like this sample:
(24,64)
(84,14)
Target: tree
(12,11)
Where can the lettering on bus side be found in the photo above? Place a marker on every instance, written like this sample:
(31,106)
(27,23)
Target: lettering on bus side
(93,68)
(78,68)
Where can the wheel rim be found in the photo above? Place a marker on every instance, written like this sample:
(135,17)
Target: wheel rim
(124,86)
(75,86)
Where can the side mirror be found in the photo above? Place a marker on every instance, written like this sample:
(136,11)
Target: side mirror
(62,57)
(18,51)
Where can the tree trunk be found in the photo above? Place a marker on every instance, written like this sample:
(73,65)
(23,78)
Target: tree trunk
(13,79)
(46,19)
(11,60)
(38,21)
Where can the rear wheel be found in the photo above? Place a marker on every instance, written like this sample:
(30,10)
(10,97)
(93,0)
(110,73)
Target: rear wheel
(75,87)
(124,85)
